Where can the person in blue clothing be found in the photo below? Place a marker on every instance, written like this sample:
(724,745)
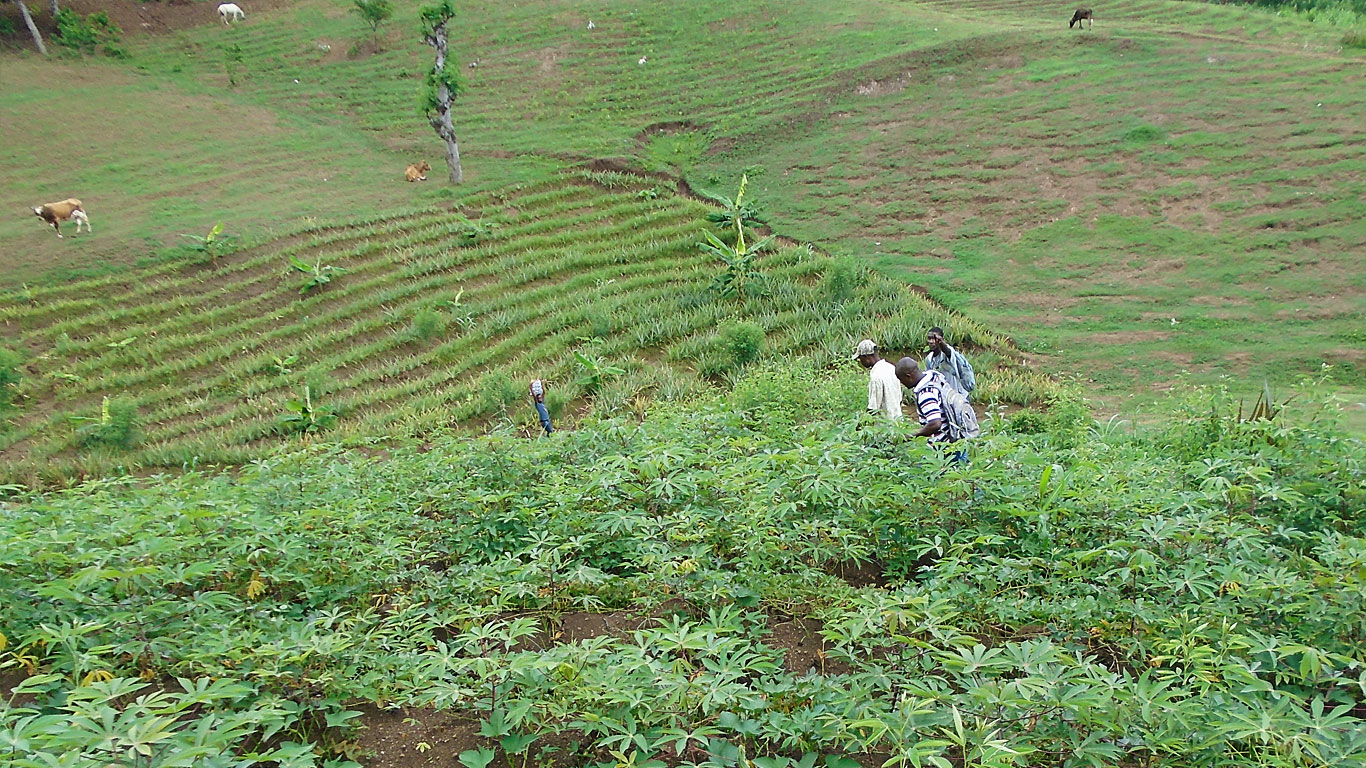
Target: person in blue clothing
(538,397)
(950,362)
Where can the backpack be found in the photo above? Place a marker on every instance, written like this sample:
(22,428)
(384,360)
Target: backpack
(958,411)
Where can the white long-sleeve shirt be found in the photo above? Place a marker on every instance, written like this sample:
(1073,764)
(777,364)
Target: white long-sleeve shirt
(884,391)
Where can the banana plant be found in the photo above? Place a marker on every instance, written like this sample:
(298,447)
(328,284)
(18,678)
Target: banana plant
(212,244)
(595,371)
(318,274)
(736,213)
(740,275)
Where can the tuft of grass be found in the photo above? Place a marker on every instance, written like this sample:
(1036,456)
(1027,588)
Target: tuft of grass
(1354,38)
(11,375)
(741,342)
(427,324)
(115,427)
(1143,134)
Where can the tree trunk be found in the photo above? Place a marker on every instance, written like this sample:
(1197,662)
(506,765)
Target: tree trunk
(32,28)
(55,10)
(441,117)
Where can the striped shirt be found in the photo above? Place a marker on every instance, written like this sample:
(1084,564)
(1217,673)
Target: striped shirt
(929,404)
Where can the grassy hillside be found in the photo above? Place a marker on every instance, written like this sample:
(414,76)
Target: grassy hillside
(1177,190)
(437,318)
(1077,190)
(746,577)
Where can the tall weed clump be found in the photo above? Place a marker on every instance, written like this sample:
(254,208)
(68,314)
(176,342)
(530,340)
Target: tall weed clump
(842,279)
(427,324)
(85,35)
(115,427)
(11,374)
(497,392)
(741,342)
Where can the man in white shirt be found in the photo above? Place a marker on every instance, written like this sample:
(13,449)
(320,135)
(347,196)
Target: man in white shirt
(884,391)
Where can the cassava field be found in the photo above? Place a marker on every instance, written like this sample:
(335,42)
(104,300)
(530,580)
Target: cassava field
(357,556)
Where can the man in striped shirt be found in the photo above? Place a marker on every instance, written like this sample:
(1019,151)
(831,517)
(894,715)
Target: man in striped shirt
(928,387)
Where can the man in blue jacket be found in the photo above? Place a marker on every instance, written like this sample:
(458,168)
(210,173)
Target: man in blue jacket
(538,397)
(950,362)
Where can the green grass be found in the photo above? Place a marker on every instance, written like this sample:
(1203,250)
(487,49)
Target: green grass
(916,137)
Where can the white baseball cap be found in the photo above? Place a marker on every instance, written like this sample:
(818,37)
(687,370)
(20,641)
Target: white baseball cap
(865,347)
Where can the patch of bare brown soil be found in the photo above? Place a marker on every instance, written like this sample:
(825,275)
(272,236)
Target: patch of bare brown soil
(412,737)
(134,17)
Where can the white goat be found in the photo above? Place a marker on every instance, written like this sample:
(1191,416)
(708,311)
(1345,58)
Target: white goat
(230,10)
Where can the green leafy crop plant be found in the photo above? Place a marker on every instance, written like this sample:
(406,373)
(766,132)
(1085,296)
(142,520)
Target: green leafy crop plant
(1086,590)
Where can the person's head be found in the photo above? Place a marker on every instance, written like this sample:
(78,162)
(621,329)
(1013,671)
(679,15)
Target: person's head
(908,372)
(866,354)
(936,338)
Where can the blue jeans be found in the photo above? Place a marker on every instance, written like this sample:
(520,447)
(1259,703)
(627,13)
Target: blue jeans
(545,417)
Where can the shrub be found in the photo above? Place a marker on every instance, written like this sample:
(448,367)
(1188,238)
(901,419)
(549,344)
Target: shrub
(842,279)
(373,12)
(1027,421)
(742,342)
(600,323)
(427,324)
(84,35)
(232,60)
(1144,134)
(496,392)
(116,427)
(7,27)
(10,375)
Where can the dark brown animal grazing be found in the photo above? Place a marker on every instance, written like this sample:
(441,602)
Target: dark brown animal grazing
(1082,14)
(67,210)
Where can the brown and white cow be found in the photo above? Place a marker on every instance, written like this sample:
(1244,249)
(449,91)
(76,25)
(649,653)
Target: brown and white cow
(67,210)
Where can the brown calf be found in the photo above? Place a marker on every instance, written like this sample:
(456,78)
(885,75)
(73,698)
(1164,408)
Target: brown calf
(417,172)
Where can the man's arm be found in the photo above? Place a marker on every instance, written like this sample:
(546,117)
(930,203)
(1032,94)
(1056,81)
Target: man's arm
(932,411)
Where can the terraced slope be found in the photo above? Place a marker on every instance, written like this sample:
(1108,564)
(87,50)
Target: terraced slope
(1078,189)
(438,320)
